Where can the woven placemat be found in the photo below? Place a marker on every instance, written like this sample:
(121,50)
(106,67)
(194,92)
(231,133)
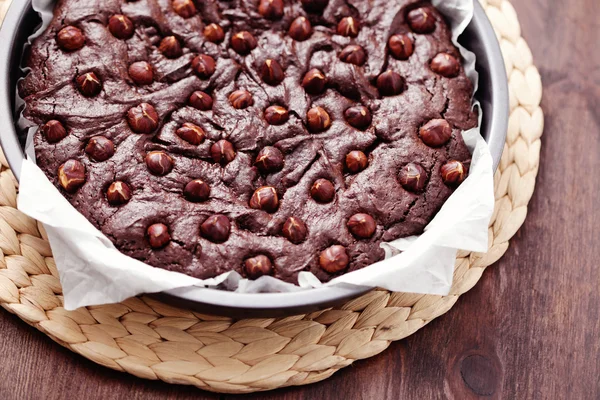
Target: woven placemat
(153,340)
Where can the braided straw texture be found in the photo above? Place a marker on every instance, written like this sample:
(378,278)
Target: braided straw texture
(153,340)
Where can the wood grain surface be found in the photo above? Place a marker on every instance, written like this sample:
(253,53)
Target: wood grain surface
(529,330)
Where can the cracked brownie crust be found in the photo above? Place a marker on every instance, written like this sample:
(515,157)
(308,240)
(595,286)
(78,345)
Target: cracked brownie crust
(266,137)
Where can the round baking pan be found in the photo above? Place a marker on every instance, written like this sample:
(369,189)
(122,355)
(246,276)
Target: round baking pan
(21,21)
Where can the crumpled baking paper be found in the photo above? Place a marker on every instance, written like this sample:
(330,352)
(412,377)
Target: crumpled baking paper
(92,271)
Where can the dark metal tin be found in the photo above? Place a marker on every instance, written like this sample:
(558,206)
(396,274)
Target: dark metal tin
(21,21)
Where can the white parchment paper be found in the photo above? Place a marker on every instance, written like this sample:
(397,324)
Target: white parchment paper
(92,271)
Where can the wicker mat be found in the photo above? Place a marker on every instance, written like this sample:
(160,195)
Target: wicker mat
(155,341)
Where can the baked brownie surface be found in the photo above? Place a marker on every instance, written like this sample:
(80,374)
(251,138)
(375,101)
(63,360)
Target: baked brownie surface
(157,124)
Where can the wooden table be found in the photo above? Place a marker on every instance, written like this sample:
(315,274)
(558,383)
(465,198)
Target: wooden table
(529,329)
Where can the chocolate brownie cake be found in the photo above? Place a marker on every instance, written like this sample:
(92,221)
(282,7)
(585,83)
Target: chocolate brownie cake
(262,136)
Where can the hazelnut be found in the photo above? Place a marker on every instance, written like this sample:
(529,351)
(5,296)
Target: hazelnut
(356,161)
(362,226)
(214,33)
(121,26)
(118,193)
(258,266)
(348,26)
(334,259)
(89,84)
(269,159)
(401,46)
(196,191)
(271,9)
(71,175)
(54,131)
(100,148)
(265,199)
(322,191)
(241,99)
(191,133)
(453,173)
(358,116)
(216,228)
(314,82)
(204,66)
(421,20)
(445,65)
(314,6)
(201,101)
(353,54)
(170,47)
(159,163)
(390,83)
(318,120)
(276,115)
(70,38)
(413,177)
(243,42)
(436,132)
(158,236)
(142,118)
(300,29)
(184,8)
(222,152)
(141,73)
(271,72)
(295,230)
